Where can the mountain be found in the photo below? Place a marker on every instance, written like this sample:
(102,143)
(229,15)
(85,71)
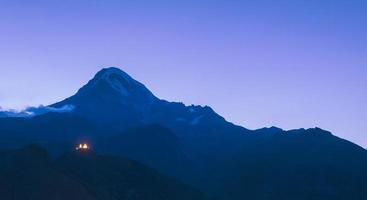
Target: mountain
(153,145)
(299,164)
(115,100)
(112,97)
(30,173)
(119,116)
(55,131)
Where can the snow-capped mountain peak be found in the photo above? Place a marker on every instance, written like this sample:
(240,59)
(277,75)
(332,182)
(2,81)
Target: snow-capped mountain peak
(120,82)
(116,78)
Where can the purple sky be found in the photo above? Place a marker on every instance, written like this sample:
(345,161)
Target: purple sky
(292,64)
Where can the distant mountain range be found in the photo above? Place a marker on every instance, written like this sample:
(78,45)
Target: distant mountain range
(119,116)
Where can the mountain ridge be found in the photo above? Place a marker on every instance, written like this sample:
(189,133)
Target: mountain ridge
(194,144)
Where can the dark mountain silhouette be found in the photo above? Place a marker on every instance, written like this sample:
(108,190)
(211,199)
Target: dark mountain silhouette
(120,116)
(300,164)
(153,145)
(30,173)
(112,97)
(58,132)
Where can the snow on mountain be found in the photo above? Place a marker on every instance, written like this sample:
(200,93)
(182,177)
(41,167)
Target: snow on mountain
(120,82)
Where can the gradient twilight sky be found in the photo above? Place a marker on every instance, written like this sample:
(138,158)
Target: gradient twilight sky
(287,63)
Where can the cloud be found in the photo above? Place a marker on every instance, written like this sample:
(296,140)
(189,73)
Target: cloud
(34,111)
(46,109)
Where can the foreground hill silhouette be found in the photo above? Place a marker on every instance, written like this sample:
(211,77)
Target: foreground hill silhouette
(120,116)
(30,173)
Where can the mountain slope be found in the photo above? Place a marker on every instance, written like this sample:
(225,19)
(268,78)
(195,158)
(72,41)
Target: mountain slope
(55,131)
(112,97)
(299,164)
(115,100)
(153,145)
(115,114)
(30,173)
(110,177)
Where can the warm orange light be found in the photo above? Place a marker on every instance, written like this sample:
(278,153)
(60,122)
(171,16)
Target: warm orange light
(82,147)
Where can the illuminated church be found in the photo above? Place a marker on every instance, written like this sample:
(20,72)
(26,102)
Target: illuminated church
(83,147)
